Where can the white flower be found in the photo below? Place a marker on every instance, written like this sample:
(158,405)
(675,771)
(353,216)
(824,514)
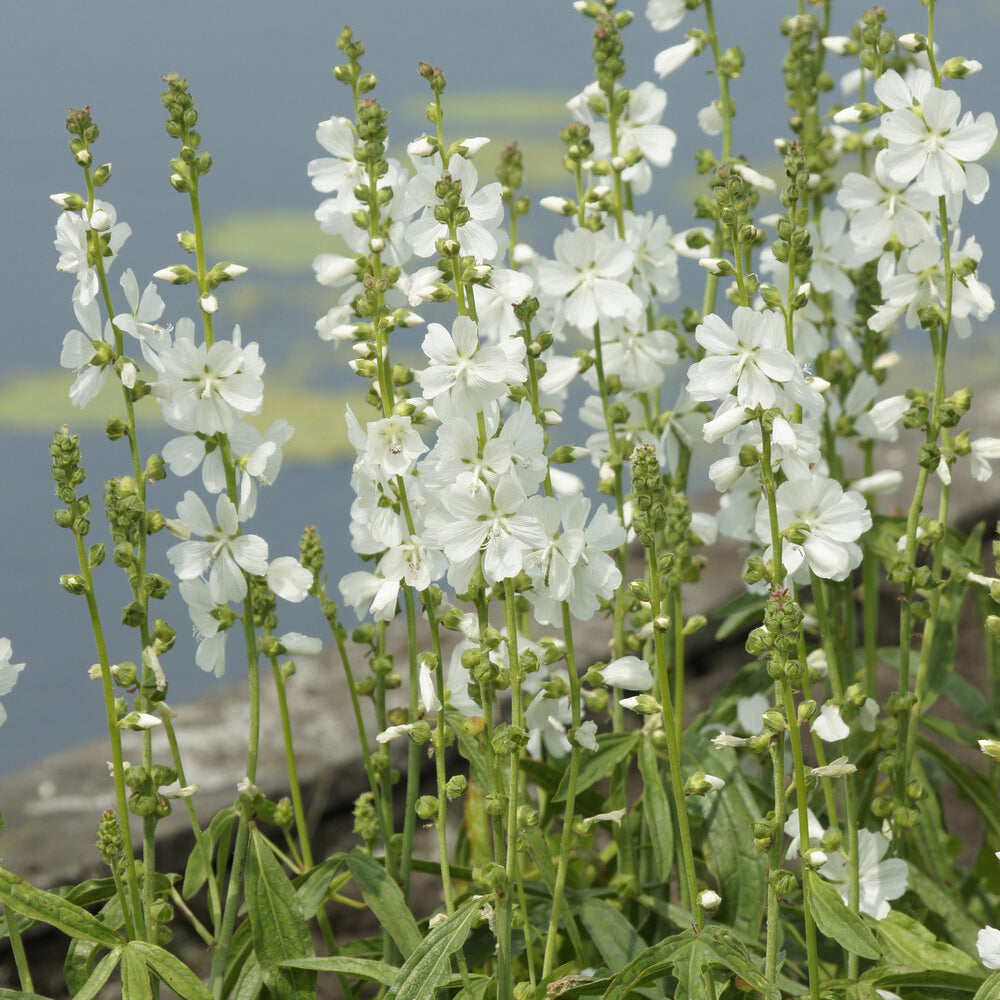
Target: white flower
(674,57)
(208,389)
(481,236)
(988,946)
(223,554)
(71,242)
(791,827)
(829,726)
(470,523)
(750,711)
(982,452)
(8,673)
(628,672)
(710,119)
(472,374)
(935,147)
(588,280)
(749,357)
(665,14)
(289,579)
(394,444)
(822,524)
(637,128)
(89,352)
(583,576)
(210,655)
(394,733)
(297,644)
(456,683)
(546,719)
(835,769)
(144,311)
(879,881)
(340,170)
(615,816)
(723,740)
(585,735)
(882,208)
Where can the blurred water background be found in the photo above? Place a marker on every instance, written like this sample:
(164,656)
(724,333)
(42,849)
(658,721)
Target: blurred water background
(260,76)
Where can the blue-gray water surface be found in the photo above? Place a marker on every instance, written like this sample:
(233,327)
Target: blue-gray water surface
(260,75)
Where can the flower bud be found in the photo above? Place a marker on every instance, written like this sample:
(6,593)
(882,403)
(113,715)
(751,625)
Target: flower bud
(73,583)
(427,807)
(68,200)
(718,266)
(643,704)
(456,786)
(856,114)
(709,900)
(958,68)
(179,274)
(814,858)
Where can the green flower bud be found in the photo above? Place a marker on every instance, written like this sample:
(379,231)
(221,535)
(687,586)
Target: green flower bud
(456,787)
(73,583)
(784,882)
(694,624)
(427,807)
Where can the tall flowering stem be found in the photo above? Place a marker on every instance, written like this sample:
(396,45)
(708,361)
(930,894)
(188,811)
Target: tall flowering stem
(649,520)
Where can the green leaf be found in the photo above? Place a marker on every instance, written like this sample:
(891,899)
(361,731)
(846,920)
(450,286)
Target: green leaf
(738,613)
(6,994)
(250,983)
(961,928)
(365,968)
(654,962)
(907,942)
(239,958)
(47,907)
(969,699)
(171,970)
(428,964)
(893,979)
(611,934)
(538,851)
(549,779)
(99,976)
(656,810)
(279,929)
(313,887)
(386,901)
(944,639)
(836,921)
(135,978)
(990,990)
(195,873)
(77,965)
(970,786)
(612,748)
(739,868)
(728,951)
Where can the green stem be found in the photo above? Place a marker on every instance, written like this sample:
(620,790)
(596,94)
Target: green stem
(204,849)
(777,750)
(115,741)
(413,751)
(17,949)
(505,906)
(566,836)
(673,746)
(802,803)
